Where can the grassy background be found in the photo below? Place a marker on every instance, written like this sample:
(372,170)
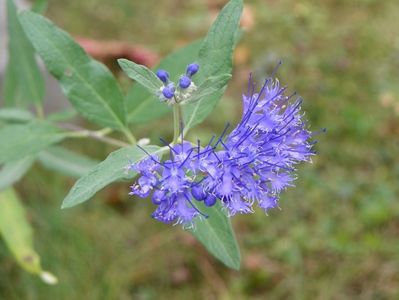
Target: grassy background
(336,236)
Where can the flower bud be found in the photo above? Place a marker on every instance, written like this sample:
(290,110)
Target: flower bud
(192,69)
(198,193)
(184,82)
(168,91)
(163,76)
(210,200)
(157,197)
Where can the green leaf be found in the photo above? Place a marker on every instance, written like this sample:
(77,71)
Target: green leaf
(21,140)
(12,172)
(217,235)
(18,235)
(88,84)
(141,74)
(15,115)
(12,93)
(66,162)
(23,81)
(208,87)
(215,58)
(60,116)
(39,6)
(110,170)
(143,106)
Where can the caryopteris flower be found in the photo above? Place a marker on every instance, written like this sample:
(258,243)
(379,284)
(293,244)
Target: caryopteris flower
(250,165)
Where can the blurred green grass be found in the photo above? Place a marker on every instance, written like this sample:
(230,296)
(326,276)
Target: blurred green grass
(336,235)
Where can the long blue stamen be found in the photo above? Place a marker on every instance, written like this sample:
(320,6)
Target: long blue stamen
(151,157)
(222,135)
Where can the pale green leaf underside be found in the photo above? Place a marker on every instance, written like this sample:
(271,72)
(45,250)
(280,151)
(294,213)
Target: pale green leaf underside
(66,162)
(217,235)
(12,172)
(88,84)
(110,170)
(21,140)
(15,115)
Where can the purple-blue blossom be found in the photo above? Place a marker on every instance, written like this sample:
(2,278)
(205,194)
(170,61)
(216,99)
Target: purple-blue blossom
(247,167)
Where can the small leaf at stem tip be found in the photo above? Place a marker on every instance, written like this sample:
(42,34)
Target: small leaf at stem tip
(142,75)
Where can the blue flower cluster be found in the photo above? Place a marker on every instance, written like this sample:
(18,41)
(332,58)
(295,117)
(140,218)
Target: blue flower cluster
(251,164)
(168,91)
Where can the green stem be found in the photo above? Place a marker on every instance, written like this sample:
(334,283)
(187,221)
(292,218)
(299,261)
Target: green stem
(77,134)
(104,131)
(129,136)
(97,135)
(39,111)
(75,131)
(176,122)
